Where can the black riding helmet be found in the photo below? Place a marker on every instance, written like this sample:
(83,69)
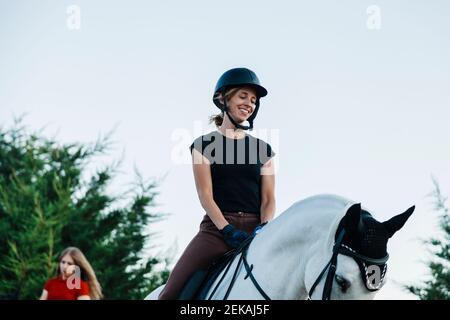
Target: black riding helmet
(238,77)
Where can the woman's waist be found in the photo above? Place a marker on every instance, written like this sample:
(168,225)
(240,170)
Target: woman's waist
(240,213)
(236,214)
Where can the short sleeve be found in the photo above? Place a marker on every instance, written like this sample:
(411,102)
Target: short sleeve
(47,285)
(191,147)
(84,290)
(270,152)
(197,144)
(265,151)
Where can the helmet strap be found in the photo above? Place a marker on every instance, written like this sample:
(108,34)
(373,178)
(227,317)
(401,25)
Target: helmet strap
(237,125)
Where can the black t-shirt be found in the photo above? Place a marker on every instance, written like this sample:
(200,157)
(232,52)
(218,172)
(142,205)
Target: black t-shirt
(235,169)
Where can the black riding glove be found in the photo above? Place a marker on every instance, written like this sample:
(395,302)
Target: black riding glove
(232,236)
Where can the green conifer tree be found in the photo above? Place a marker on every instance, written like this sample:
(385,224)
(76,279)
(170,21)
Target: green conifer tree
(49,201)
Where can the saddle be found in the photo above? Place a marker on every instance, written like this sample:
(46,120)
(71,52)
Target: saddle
(201,281)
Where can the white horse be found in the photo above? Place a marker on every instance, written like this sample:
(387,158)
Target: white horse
(290,252)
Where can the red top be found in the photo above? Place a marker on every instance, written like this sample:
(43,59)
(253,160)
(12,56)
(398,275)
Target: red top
(59,289)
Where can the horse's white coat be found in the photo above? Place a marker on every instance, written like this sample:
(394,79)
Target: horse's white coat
(290,252)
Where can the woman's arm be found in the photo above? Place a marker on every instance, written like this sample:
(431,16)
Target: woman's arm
(203,183)
(44,295)
(267,191)
(84,298)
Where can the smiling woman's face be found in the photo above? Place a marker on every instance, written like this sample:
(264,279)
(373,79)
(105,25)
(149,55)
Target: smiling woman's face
(242,104)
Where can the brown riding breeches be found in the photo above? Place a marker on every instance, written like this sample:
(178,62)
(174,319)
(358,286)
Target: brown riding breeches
(207,246)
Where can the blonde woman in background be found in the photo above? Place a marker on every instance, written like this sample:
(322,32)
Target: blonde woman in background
(75,279)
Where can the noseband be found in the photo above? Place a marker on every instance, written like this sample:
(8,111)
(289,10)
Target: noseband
(361,260)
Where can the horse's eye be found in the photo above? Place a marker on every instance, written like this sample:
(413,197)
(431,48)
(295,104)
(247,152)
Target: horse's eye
(343,283)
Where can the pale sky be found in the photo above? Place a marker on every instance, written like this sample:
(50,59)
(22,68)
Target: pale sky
(358,102)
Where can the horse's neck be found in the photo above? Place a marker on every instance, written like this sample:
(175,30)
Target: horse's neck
(285,245)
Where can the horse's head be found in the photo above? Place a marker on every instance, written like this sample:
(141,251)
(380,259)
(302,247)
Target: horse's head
(358,263)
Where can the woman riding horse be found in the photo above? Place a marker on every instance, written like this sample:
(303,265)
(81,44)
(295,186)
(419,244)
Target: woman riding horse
(237,195)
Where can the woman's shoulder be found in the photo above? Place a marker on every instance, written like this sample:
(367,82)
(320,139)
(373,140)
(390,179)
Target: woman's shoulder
(260,141)
(204,140)
(54,279)
(264,148)
(209,136)
(51,282)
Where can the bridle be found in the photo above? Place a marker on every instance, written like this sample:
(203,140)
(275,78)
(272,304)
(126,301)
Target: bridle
(361,260)
(331,266)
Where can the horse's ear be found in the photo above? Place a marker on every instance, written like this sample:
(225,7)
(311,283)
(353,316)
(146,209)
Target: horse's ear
(353,217)
(396,223)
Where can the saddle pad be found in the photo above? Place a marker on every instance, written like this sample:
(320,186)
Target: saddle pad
(201,281)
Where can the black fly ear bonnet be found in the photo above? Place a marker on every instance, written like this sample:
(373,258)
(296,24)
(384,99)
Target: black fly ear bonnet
(366,243)
(364,239)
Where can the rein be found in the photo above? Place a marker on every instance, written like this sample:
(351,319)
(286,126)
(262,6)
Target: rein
(243,248)
(331,267)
